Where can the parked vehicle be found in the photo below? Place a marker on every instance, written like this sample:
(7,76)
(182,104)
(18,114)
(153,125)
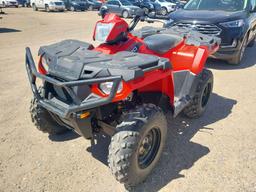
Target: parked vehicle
(76,5)
(179,4)
(24,3)
(48,5)
(166,7)
(10,3)
(94,4)
(147,6)
(233,21)
(122,88)
(120,7)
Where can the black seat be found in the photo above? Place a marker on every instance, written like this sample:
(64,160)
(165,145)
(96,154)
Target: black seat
(161,43)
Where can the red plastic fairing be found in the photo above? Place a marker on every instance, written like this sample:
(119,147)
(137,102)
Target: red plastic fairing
(159,80)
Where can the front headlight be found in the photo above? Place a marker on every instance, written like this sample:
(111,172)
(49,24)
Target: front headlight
(45,63)
(233,24)
(107,86)
(102,31)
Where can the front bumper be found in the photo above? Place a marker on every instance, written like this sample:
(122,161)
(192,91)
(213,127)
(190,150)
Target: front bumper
(227,52)
(57,7)
(64,110)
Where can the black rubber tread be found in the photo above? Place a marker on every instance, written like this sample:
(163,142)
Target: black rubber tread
(194,109)
(122,158)
(252,42)
(43,120)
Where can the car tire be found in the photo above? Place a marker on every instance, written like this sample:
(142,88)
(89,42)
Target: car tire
(125,14)
(164,11)
(236,60)
(252,42)
(47,9)
(34,7)
(137,145)
(203,92)
(43,120)
(146,10)
(90,8)
(72,8)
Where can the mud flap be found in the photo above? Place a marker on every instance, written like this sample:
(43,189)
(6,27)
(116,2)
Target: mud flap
(184,89)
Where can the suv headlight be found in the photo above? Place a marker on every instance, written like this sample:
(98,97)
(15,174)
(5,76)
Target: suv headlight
(232,24)
(107,86)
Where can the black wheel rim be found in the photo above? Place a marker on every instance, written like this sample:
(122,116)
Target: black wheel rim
(149,147)
(242,50)
(206,94)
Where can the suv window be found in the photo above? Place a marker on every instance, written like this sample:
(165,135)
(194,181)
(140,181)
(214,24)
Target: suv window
(225,5)
(116,3)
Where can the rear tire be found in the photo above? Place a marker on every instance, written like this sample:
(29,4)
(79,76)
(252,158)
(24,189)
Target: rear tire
(43,120)
(203,92)
(125,14)
(137,144)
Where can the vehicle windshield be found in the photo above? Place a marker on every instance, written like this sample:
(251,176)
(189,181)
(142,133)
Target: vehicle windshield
(224,5)
(125,3)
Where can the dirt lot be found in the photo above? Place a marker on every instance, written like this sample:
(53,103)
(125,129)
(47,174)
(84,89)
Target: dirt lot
(214,153)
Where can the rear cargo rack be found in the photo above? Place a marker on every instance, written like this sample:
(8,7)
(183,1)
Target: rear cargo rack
(58,107)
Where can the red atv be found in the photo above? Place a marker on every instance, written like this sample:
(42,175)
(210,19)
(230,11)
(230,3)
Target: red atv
(122,87)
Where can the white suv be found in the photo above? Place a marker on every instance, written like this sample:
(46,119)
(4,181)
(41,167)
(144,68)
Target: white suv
(166,7)
(9,3)
(48,5)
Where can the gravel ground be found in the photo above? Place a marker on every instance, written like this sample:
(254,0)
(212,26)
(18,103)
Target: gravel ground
(214,153)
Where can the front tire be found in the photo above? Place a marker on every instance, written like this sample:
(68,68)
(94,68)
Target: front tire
(164,11)
(47,9)
(34,7)
(43,120)
(236,60)
(90,8)
(203,92)
(125,14)
(137,144)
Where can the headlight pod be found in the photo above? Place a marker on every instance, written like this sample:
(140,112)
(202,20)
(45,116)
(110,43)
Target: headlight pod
(107,86)
(102,31)
(233,24)
(45,63)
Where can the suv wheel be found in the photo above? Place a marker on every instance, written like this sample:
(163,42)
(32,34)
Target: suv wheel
(236,60)
(251,44)
(137,144)
(125,14)
(146,10)
(34,7)
(90,8)
(72,8)
(164,11)
(47,9)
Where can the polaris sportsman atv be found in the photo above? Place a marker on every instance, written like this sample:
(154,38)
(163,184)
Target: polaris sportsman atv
(122,87)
